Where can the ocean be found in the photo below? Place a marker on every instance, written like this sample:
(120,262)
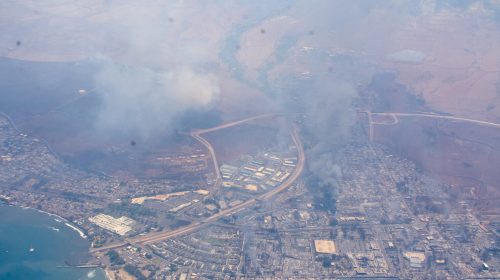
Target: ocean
(33,245)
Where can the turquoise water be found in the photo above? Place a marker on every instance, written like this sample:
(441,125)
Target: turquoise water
(53,242)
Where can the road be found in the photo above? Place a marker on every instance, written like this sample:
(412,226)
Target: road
(159,236)
(196,134)
(211,150)
(296,173)
(479,122)
(395,116)
(234,123)
(370,125)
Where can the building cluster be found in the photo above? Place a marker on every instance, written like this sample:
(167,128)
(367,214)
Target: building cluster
(390,222)
(120,226)
(381,218)
(258,173)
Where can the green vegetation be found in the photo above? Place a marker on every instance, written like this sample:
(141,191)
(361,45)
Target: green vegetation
(114,258)
(172,267)
(327,262)
(134,271)
(179,223)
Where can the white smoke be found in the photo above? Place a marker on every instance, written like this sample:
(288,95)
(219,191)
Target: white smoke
(144,102)
(156,72)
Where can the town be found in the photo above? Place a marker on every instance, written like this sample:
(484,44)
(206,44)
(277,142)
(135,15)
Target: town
(381,218)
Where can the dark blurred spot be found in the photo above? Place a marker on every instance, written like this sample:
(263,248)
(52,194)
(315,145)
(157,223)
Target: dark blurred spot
(330,69)
(171,19)
(18,43)
(262,31)
(238,47)
(133,143)
(311,32)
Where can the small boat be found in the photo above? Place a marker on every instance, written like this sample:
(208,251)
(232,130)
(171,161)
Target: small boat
(31,250)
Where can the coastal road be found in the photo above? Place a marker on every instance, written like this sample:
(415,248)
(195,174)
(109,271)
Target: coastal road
(159,236)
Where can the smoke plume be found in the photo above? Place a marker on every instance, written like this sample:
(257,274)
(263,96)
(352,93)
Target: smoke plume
(330,117)
(154,74)
(145,102)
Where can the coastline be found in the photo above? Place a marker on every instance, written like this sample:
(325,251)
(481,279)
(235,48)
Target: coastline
(66,221)
(107,273)
(61,219)
(80,232)
(58,258)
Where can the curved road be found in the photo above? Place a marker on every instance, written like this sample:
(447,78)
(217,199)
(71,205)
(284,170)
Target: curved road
(210,149)
(158,236)
(196,135)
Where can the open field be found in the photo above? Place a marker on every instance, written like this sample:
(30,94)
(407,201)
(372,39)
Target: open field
(462,154)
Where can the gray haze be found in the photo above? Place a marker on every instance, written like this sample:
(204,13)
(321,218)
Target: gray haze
(330,117)
(145,102)
(160,76)
(160,59)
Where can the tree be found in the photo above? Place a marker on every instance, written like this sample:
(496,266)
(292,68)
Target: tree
(114,258)
(326,262)
(134,271)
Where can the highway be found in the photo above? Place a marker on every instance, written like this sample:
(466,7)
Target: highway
(296,173)
(159,236)
(234,123)
(210,149)
(479,122)
(395,116)
(196,135)
(370,125)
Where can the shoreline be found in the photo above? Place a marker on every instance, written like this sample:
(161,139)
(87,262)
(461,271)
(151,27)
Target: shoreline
(60,220)
(107,274)
(66,221)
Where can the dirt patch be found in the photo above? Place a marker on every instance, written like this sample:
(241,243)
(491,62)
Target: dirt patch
(231,143)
